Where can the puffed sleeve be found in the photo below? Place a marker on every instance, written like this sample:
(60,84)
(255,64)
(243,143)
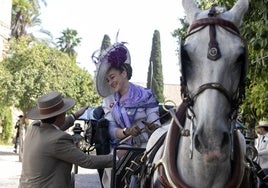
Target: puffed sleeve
(152,115)
(107,106)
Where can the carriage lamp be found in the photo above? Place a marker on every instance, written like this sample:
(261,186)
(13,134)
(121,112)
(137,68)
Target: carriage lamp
(77,137)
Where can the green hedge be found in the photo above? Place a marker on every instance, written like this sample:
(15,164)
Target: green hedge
(6,123)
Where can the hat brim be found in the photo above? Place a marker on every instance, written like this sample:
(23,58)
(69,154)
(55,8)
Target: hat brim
(262,124)
(101,84)
(35,115)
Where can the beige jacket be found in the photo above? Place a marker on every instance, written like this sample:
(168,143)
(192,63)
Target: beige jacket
(48,157)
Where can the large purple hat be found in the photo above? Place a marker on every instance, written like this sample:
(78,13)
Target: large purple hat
(115,56)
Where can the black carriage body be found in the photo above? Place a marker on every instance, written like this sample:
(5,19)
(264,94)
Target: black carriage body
(127,169)
(96,135)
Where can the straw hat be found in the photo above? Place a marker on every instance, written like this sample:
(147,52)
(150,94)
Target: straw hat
(115,55)
(50,105)
(263,124)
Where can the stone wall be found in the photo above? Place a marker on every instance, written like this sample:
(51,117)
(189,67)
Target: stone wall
(5,23)
(172,92)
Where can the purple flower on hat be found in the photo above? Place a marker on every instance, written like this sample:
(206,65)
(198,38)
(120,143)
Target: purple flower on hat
(118,56)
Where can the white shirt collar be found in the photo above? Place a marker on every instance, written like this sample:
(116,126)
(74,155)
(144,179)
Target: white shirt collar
(56,126)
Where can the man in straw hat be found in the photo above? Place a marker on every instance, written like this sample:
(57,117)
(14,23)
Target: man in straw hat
(262,147)
(50,152)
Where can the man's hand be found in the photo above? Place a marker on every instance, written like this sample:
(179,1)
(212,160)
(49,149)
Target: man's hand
(80,112)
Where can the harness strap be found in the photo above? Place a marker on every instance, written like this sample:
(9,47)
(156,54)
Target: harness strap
(214,52)
(216,86)
(168,173)
(144,163)
(213,21)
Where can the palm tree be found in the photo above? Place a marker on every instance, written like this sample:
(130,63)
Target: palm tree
(68,41)
(23,14)
(36,32)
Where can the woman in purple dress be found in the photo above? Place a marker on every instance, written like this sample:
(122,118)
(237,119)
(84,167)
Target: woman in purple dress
(126,105)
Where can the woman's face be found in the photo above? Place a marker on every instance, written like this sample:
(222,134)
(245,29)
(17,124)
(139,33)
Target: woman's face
(116,79)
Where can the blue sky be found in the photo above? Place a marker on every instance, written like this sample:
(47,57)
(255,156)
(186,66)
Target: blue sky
(136,22)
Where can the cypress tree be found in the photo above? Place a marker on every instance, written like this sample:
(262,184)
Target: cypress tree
(155,74)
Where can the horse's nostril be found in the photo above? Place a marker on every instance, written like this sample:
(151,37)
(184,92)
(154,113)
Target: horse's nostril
(197,144)
(225,140)
(205,146)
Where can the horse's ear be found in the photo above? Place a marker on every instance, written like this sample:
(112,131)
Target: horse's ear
(238,11)
(191,10)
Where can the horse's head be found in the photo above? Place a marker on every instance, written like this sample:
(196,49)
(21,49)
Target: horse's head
(213,65)
(213,69)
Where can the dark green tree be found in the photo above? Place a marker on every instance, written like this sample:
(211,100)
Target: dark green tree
(155,74)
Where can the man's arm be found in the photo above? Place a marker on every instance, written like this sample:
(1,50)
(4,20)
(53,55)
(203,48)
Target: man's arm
(69,120)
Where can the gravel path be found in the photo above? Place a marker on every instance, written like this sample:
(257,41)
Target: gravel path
(11,169)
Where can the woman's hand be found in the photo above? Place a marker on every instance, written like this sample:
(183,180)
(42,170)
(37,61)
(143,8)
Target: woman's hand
(133,131)
(151,126)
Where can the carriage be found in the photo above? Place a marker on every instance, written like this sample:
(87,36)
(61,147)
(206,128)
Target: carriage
(91,136)
(202,145)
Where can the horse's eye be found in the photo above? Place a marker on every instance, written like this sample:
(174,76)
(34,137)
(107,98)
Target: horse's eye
(184,55)
(185,61)
(240,59)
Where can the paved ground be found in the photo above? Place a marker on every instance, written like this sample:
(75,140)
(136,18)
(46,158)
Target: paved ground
(10,170)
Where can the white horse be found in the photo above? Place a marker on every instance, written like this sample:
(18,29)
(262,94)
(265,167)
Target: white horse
(213,65)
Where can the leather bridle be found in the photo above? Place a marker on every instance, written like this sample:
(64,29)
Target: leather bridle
(214,53)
